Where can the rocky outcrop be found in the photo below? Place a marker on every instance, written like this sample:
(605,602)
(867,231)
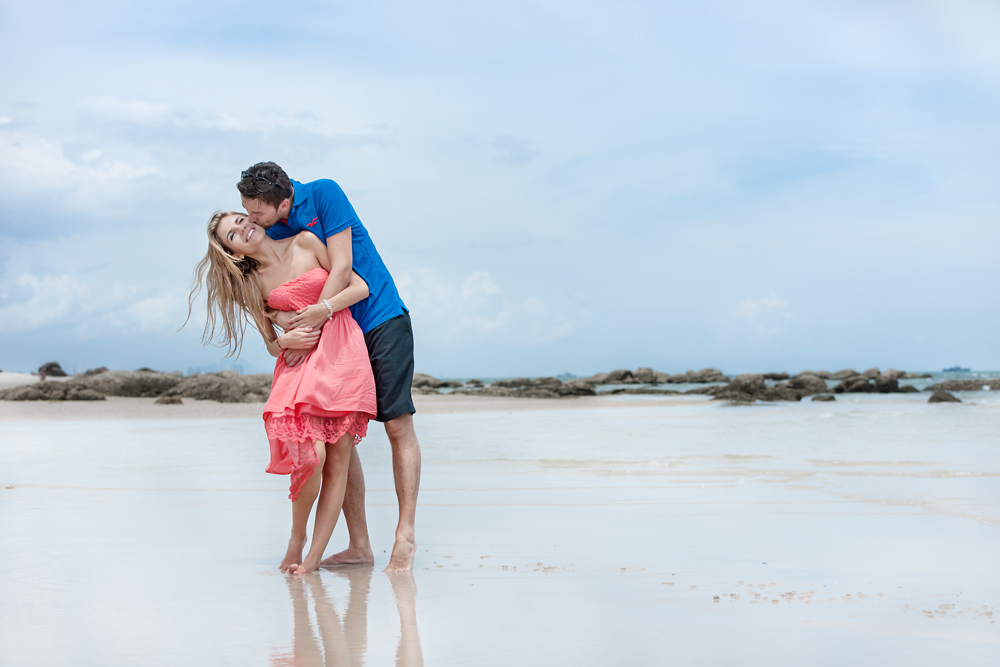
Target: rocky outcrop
(809,383)
(621,376)
(52,369)
(745,388)
(965,385)
(50,391)
(450,384)
(643,390)
(843,375)
(776,376)
(224,387)
(141,384)
(858,384)
(824,397)
(474,382)
(423,380)
(513,383)
(871,373)
(941,396)
(887,382)
(169,400)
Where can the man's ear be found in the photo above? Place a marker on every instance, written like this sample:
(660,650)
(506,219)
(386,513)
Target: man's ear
(284,207)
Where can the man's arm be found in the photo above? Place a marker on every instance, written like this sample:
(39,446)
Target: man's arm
(338,259)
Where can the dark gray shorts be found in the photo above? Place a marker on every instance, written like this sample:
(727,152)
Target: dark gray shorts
(390,349)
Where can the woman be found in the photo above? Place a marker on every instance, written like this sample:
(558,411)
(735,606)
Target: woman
(317,410)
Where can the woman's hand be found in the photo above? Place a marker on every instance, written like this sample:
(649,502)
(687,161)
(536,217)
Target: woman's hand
(299,339)
(314,316)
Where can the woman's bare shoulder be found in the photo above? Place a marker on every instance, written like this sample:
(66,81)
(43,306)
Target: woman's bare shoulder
(309,241)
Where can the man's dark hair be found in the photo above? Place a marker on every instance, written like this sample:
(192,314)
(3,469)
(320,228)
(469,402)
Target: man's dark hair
(261,188)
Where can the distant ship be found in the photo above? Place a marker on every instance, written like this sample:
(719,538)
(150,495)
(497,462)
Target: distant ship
(955,369)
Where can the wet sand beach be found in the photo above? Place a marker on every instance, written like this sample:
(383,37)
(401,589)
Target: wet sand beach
(586,531)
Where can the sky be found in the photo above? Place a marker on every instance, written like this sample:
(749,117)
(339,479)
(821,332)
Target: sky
(556,187)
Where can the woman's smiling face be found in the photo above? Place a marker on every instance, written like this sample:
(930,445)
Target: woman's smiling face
(240,236)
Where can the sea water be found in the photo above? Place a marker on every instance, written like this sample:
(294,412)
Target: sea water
(864,530)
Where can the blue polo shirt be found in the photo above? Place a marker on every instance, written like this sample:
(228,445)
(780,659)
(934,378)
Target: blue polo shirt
(321,207)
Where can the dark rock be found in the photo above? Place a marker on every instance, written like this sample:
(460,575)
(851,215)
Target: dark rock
(424,380)
(661,378)
(745,388)
(600,378)
(821,374)
(224,387)
(577,388)
(908,389)
(809,383)
(143,384)
(914,376)
(941,396)
(843,375)
(887,381)
(546,382)
(52,369)
(786,393)
(710,391)
(643,390)
(620,376)
(450,384)
(965,385)
(146,369)
(474,382)
(858,384)
(512,383)
(96,371)
(871,373)
(711,375)
(644,375)
(776,376)
(50,391)
(424,390)
(824,397)
(169,400)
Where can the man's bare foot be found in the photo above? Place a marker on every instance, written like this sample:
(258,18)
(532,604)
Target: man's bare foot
(294,554)
(310,564)
(350,556)
(403,552)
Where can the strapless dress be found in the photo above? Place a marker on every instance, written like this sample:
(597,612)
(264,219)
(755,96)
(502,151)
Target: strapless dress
(330,394)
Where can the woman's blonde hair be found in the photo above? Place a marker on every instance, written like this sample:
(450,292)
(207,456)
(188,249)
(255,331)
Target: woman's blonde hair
(233,293)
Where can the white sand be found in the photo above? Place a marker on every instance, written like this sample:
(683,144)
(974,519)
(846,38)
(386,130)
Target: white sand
(582,532)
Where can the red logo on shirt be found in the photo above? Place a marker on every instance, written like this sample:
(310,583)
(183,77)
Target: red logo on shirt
(314,221)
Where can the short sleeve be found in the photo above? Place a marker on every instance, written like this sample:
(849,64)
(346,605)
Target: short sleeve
(333,209)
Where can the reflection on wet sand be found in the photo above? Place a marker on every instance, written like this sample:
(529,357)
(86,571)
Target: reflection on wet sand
(343,640)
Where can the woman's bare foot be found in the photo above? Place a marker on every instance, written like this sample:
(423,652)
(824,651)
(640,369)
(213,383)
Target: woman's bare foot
(403,552)
(294,554)
(350,556)
(310,564)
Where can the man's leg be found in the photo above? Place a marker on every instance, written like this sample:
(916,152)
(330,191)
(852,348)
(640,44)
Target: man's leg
(359,550)
(406,474)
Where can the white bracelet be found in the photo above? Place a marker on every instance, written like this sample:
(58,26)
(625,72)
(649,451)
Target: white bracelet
(329,309)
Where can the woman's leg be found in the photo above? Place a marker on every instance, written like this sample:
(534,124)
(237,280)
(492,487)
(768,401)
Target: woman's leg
(301,508)
(331,500)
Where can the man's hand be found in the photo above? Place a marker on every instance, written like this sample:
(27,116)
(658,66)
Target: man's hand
(314,316)
(299,339)
(295,357)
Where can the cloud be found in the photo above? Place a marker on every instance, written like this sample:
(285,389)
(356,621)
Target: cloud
(766,315)
(52,299)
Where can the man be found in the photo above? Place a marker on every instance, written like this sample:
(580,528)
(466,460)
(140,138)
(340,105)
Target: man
(284,208)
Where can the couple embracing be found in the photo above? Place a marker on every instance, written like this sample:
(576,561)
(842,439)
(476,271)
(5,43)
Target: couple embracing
(300,266)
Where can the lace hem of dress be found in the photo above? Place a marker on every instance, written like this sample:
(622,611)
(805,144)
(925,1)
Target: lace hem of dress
(307,428)
(292,440)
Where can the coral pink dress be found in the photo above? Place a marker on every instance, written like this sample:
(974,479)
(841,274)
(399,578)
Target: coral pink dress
(328,395)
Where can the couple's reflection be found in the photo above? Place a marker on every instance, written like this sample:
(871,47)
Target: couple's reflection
(343,639)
